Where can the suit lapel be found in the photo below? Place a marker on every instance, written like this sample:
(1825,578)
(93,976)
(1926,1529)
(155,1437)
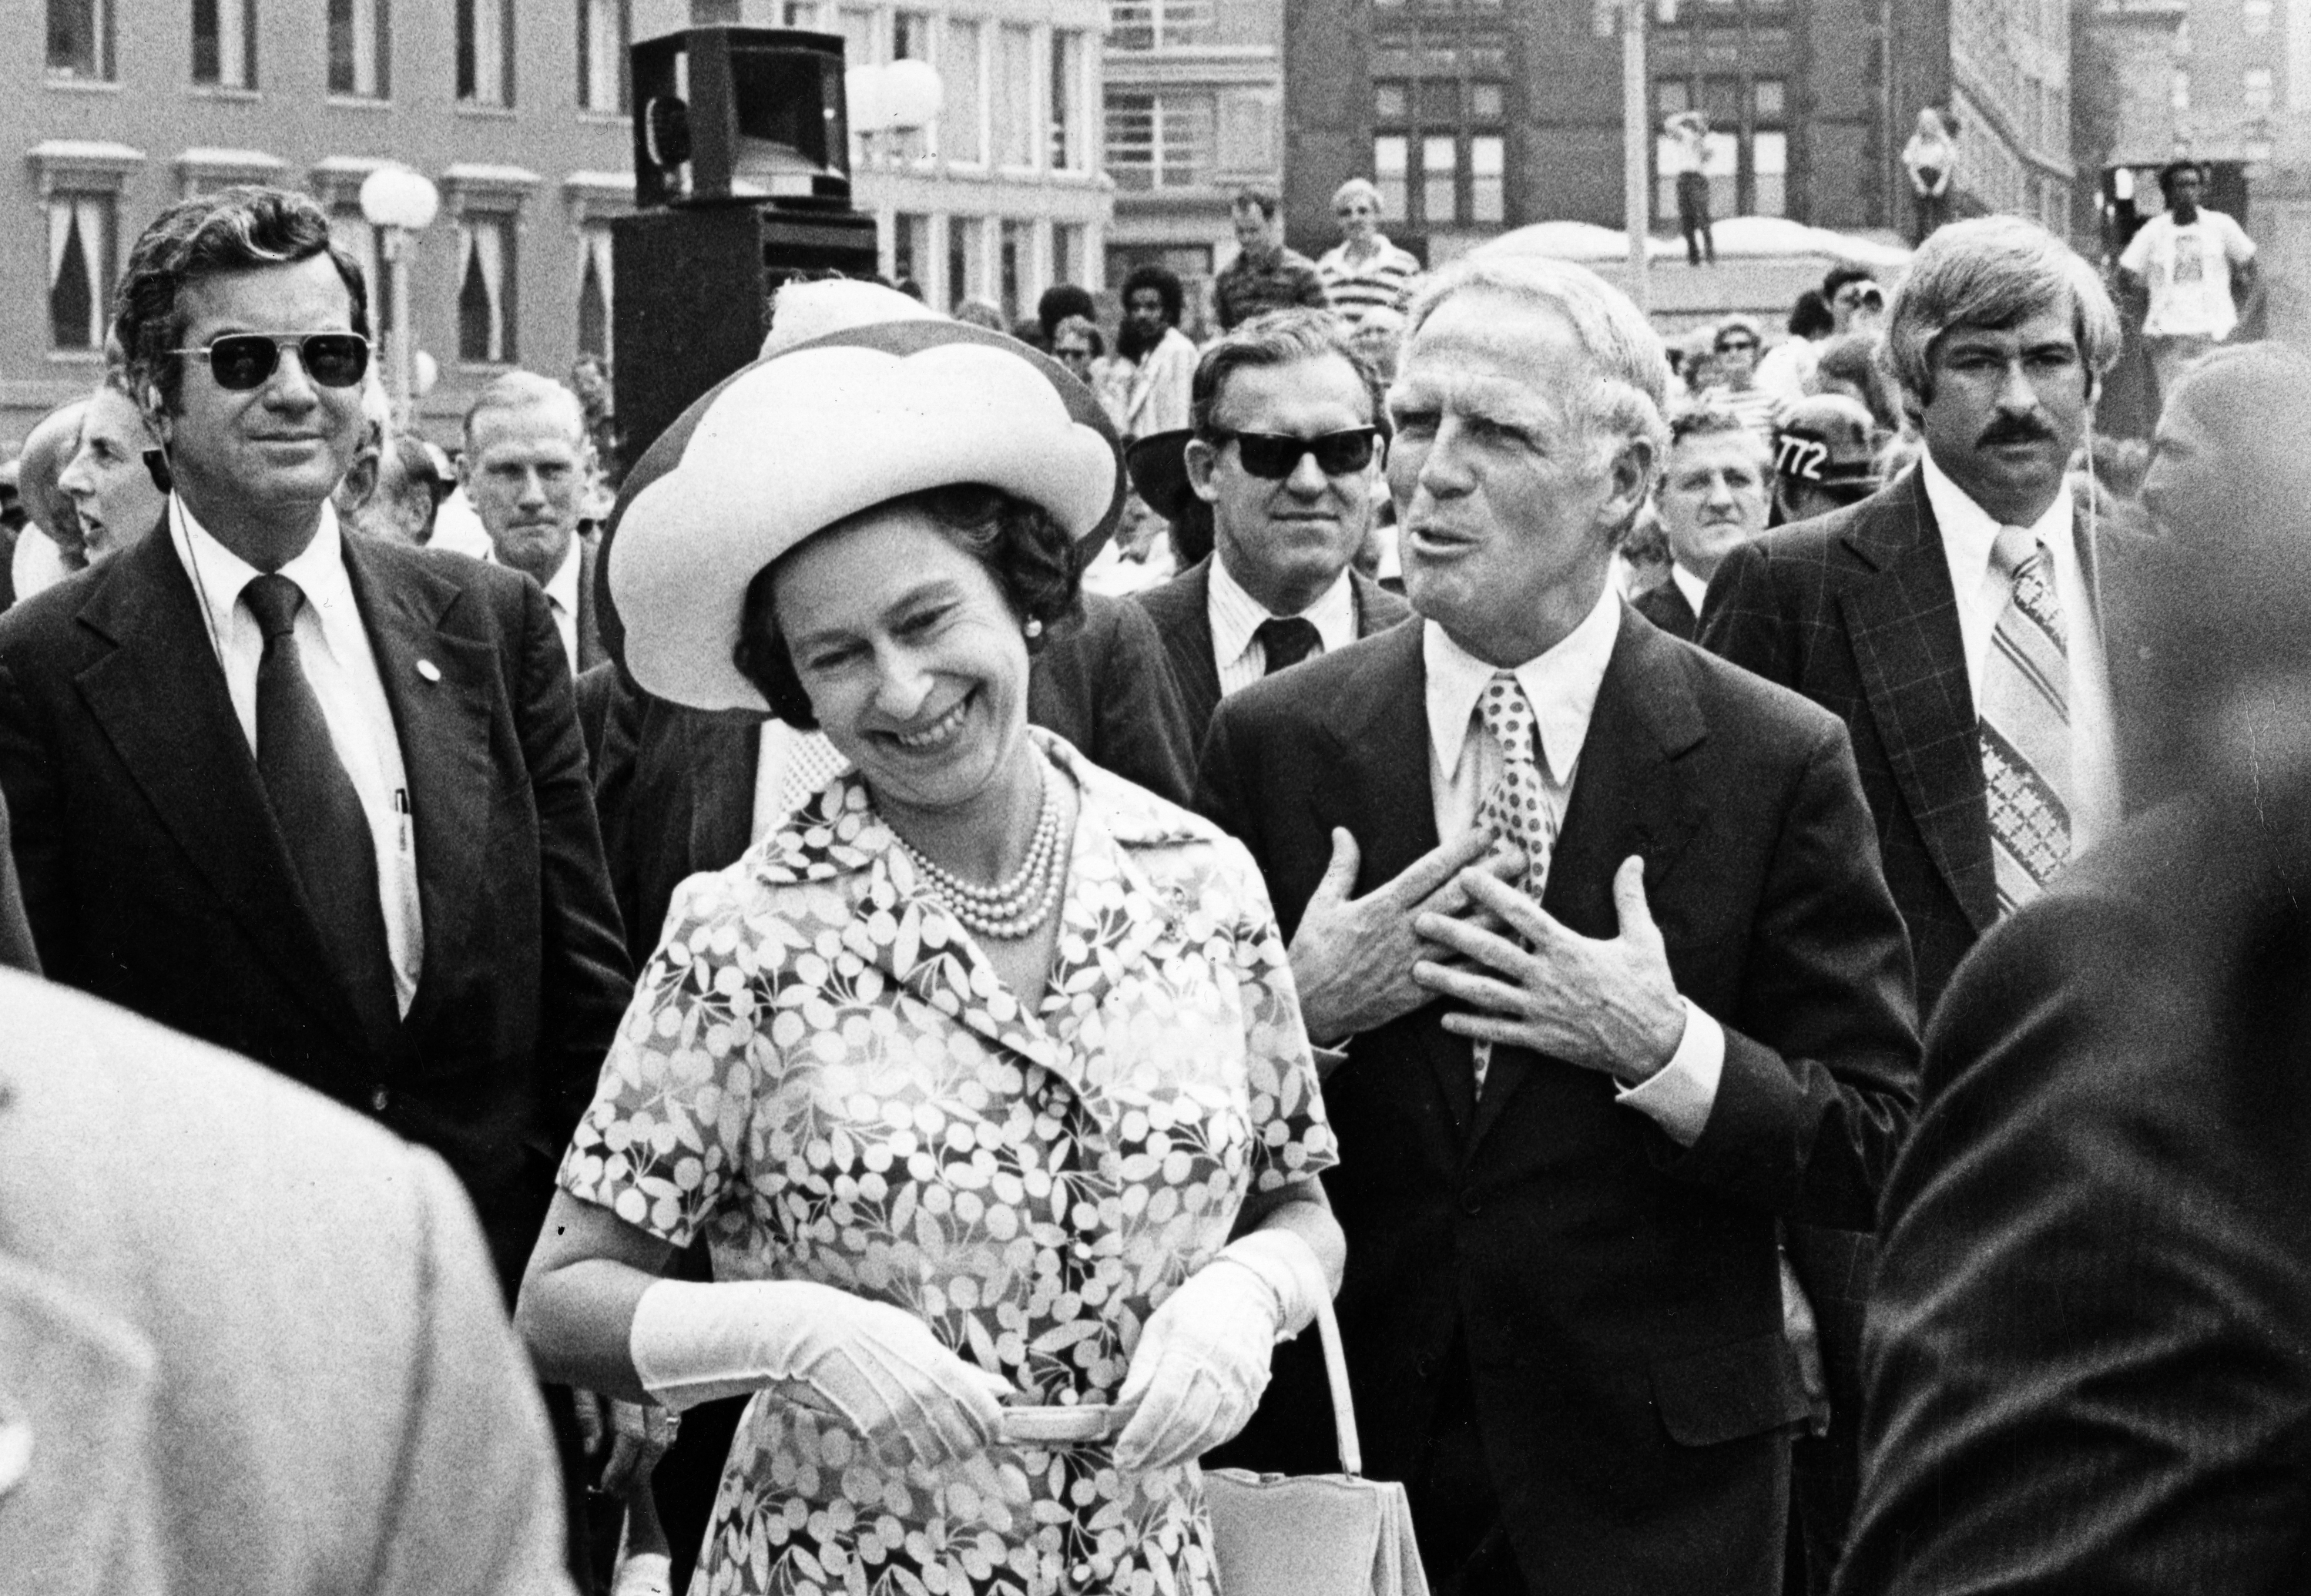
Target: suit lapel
(160,698)
(589,637)
(439,686)
(1628,799)
(1911,656)
(1199,675)
(725,758)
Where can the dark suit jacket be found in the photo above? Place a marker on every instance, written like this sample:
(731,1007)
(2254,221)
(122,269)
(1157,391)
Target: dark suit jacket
(1616,1296)
(154,875)
(1854,610)
(590,652)
(1666,607)
(1181,611)
(2089,1367)
(675,787)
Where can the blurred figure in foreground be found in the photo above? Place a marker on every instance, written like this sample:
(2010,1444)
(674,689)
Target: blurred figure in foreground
(400,507)
(203,1385)
(2086,1353)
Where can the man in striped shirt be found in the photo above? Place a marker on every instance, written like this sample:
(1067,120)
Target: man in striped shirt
(1364,271)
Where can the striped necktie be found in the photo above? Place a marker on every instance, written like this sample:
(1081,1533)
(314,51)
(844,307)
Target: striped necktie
(2025,728)
(1517,809)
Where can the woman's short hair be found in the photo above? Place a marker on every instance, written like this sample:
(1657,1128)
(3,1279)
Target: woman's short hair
(233,230)
(1627,394)
(1029,554)
(1278,338)
(1993,271)
(1164,281)
(1356,188)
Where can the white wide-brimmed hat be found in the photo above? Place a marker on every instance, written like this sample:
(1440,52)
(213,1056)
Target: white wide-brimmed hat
(815,433)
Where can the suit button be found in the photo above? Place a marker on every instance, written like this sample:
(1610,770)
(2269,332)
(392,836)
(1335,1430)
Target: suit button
(1424,1366)
(379,1100)
(1470,1203)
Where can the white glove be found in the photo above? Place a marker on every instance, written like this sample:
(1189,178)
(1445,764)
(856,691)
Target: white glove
(1201,1364)
(875,1367)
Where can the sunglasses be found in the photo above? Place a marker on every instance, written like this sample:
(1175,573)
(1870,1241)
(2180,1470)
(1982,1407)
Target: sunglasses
(1275,457)
(1865,298)
(243,361)
(1736,346)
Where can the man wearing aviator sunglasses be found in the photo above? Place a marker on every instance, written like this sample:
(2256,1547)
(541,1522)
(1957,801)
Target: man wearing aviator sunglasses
(313,797)
(1288,452)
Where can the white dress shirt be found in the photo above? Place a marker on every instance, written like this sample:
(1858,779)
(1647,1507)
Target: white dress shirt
(1464,762)
(1969,533)
(562,598)
(1235,614)
(333,647)
(1694,587)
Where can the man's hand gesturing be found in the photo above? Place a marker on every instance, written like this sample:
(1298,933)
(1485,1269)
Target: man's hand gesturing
(1353,959)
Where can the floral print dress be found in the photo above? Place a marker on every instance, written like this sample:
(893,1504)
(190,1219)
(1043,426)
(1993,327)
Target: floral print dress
(821,1073)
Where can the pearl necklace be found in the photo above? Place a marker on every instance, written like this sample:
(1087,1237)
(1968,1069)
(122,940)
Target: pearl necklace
(1012,909)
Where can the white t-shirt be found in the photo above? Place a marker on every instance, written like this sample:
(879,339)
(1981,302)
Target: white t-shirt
(2188,271)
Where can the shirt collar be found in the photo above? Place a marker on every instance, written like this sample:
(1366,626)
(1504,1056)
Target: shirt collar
(1693,587)
(1560,685)
(562,586)
(1237,615)
(218,574)
(1970,533)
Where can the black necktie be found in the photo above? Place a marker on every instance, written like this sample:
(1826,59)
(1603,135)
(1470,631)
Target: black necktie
(1287,641)
(330,844)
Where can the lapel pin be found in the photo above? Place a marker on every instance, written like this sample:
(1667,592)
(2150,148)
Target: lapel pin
(429,670)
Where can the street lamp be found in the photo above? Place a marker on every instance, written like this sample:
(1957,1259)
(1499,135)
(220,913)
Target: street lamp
(403,205)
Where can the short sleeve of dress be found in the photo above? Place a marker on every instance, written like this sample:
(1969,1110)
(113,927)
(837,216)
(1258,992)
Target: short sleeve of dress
(1292,1138)
(663,1145)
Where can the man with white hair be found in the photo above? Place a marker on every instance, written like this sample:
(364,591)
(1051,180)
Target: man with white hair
(525,469)
(1364,271)
(1571,1106)
(1955,621)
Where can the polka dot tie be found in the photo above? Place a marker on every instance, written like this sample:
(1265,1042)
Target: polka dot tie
(1517,809)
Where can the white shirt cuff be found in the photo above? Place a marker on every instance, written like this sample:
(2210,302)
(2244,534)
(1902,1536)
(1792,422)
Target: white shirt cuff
(1680,1095)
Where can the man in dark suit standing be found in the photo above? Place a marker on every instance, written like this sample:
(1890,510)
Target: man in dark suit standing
(525,473)
(319,800)
(1954,622)
(1714,495)
(1564,1156)
(1288,452)
(2087,1363)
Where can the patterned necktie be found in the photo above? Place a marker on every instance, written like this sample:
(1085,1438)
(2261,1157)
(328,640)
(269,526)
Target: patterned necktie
(2026,726)
(331,847)
(1285,642)
(1517,809)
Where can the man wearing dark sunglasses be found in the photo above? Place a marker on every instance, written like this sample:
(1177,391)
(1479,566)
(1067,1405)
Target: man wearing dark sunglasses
(315,798)
(1288,452)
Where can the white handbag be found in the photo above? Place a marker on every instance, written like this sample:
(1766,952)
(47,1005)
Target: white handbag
(1315,1534)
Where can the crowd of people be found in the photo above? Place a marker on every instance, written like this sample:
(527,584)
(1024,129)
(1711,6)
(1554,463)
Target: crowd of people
(819,1008)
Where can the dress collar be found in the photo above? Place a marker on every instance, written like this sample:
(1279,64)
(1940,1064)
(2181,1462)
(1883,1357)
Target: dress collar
(1561,684)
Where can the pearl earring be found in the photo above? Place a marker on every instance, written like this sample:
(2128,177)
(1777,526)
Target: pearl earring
(1034,630)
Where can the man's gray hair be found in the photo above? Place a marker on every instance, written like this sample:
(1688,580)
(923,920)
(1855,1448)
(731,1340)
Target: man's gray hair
(1993,271)
(1628,393)
(523,390)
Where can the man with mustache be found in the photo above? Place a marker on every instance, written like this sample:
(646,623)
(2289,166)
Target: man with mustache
(1955,621)
(1713,497)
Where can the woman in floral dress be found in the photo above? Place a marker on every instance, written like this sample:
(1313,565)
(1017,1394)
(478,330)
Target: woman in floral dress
(982,1073)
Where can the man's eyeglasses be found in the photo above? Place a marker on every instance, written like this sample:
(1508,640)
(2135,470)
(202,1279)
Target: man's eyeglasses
(1275,457)
(243,361)
(1738,346)
(1860,299)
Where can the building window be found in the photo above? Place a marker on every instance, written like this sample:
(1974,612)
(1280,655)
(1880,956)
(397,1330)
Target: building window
(966,253)
(605,29)
(1487,178)
(1014,96)
(1157,24)
(803,13)
(1391,152)
(1488,102)
(910,249)
(80,268)
(359,49)
(485,291)
(2255,17)
(1069,258)
(2254,90)
(1769,173)
(1391,102)
(1159,141)
(225,43)
(1068,118)
(910,36)
(963,133)
(1439,180)
(80,38)
(485,52)
(1013,245)
(2179,92)
(594,290)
